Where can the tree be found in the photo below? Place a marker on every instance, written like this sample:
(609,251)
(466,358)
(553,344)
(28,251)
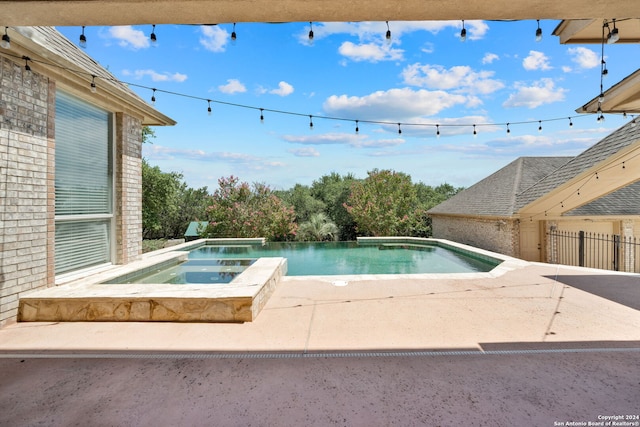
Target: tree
(304,204)
(159,200)
(333,190)
(168,204)
(240,210)
(147,134)
(319,228)
(385,204)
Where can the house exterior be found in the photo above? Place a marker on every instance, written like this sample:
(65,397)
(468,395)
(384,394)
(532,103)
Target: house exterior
(514,210)
(70,165)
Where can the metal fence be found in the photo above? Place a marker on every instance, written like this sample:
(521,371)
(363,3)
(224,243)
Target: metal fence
(583,249)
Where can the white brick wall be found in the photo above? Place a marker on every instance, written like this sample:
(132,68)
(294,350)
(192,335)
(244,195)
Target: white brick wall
(25,210)
(497,235)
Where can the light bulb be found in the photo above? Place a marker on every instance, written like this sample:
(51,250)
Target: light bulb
(83,39)
(539,33)
(152,36)
(463,33)
(93,87)
(6,40)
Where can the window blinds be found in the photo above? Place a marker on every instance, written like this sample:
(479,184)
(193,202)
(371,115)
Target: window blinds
(83,184)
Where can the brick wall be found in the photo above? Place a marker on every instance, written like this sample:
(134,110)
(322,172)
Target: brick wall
(128,177)
(26,182)
(497,235)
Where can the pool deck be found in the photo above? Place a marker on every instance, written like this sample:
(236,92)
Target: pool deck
(537,344)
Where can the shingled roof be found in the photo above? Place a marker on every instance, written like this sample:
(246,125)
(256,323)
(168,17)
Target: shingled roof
(625,201)
(497,195)
(611,144)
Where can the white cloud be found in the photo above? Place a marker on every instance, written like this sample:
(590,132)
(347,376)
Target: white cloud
(393,104)
(585,58)
(566,69)
(488,58)
(214,38)
(536,61)
(541,92)
(232,86)
(458,77)
(371,52)
(129,37)
(157,77)
(350,139)
(247,161)
(304,152)
(284,89)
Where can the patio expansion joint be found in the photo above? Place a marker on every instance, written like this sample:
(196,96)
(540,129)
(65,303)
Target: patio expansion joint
(305,354)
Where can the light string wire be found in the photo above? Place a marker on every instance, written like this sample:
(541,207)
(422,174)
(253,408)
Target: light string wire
(594,176)
(155,90)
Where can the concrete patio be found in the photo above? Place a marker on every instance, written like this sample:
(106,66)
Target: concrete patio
(528,347)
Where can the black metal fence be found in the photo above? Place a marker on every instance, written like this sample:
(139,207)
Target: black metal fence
(595,250)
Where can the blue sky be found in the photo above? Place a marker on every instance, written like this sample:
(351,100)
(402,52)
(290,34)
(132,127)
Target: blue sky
(425,75)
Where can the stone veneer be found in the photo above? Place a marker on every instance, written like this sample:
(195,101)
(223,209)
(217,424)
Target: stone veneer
(27,185)
(496,235)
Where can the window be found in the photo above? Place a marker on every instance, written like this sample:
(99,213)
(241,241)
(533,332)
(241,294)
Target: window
(83,184)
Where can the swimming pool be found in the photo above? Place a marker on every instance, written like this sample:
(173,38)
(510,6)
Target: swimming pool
(349,258)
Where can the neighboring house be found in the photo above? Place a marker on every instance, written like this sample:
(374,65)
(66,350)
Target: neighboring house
(514,210)
(70,165)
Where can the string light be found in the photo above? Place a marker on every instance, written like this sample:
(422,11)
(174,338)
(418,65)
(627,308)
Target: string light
(624,114)
(508,130)
(613,36)
(539,125)
(538,32)
(153,37)
(310,31)
(399,129)
(388,35)
(597,177)
(153,97)
(262,110)
(357,128)
(437,131)
(26,63)
(209,107)
(463,33)
(93,87)
(233,34)
(83,39)
(262,115)
(6,40)
(311,122)
(474,131)
(623,166)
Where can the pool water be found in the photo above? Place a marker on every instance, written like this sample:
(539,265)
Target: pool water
(346,258)
(194,271)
